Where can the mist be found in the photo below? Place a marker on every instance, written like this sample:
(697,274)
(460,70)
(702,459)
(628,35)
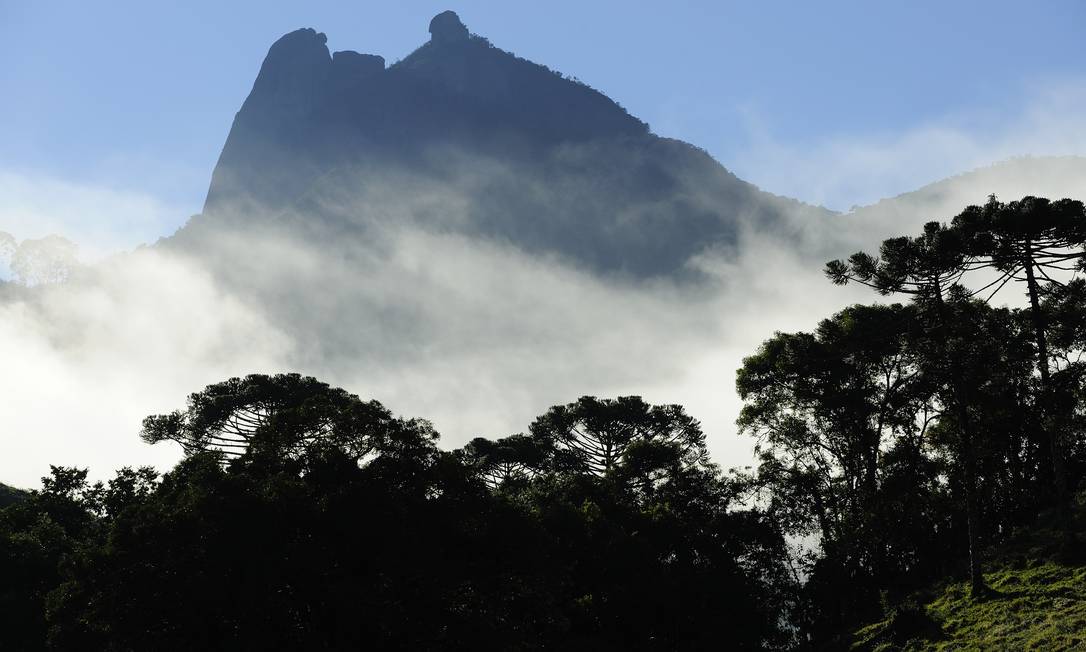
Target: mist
(399,299)
(470,332)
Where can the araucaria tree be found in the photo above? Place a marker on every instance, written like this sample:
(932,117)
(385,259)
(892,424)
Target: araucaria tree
(285,415)
(822,406)
(303,517)
(891,431)
(1040,243)
(929,268)
(600,436)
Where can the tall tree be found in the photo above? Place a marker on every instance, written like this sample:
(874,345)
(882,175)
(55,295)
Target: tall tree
(823,406)
(1038,242)
(929,267)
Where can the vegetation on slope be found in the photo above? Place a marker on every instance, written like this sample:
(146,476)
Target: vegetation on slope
(911,439)
(1036,601)
(10,495)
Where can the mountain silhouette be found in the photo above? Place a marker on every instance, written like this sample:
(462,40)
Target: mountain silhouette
(509,149)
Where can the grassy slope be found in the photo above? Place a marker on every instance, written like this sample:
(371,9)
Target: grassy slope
(1036,604)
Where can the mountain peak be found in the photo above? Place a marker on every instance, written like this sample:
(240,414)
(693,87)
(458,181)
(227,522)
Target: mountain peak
(305,43)
(446,27)
(294,69)
(574,173)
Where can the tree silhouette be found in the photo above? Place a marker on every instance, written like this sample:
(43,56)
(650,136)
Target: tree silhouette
(823,406)
(1031,240)
(596,436)
(929,267)
(295,544)
(286,415)
(510,459)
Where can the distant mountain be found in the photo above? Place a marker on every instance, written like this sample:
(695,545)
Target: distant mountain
(1053,177)
(10,495)
(463,136)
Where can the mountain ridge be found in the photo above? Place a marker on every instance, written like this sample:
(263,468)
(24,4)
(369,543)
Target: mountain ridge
(10,495)
(1055,177)
(535,159)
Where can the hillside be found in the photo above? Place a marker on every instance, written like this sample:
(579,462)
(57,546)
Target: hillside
(1041,176)
(10,495)
(1038,602)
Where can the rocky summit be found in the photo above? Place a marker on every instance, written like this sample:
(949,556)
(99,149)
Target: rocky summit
(531,157)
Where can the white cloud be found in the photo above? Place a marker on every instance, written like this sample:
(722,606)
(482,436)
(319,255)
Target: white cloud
(84,363)
(475,335)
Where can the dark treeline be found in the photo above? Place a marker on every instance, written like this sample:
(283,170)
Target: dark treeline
(904,440)
(305,518)
(897,443)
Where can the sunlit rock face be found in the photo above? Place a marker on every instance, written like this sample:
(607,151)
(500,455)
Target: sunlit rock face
(525,155)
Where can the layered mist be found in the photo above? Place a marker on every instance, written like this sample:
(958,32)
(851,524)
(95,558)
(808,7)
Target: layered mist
(471,332)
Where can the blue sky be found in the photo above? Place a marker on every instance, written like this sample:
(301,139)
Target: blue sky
(118,110)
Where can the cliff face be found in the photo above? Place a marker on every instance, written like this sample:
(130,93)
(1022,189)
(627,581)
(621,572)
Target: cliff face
(533,158)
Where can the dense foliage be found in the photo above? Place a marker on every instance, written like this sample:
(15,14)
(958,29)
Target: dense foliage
(339,526)
(903,441)
(10,495)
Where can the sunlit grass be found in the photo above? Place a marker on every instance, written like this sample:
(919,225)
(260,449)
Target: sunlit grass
(1042,607)
(1036,603)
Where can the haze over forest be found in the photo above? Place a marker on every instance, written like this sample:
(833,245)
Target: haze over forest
(464,235)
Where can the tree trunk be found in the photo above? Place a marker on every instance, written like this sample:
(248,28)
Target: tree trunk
(977,586)
(1041,340)
(1050,428)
